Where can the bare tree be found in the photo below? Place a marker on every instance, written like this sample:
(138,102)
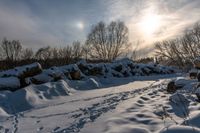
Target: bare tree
(55,53)
(44,53)
(167,49)
(27,54)
(66,54)
(108,42)
(118,41)
(86,50)
(134,54)
(77,50)
(96,41)
(11,50)
(182,50)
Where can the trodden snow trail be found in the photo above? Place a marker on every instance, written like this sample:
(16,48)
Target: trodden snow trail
(91,113)
(73,113)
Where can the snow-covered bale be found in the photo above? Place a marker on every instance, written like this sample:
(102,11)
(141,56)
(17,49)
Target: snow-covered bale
(91,69)
(72,71)
(9,83)
(125,68)
(96,70)
(23,71)
(48,75)
(33,73)
(56,73)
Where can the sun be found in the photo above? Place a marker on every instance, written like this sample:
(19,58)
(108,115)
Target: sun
(150,23)
(80,25)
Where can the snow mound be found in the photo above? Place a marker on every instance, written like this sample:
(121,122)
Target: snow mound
(183,85)
(3,113)
(33,95)
(178,98)
(194,119)
(180,129)
(88,84)
(182,81)
(50,90)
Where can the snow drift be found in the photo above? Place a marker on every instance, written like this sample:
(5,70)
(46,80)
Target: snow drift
(32,95)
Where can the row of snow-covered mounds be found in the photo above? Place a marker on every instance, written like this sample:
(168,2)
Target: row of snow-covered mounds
(34,74)
(123,68)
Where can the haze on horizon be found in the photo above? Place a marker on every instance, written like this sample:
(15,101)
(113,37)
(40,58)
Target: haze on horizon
(57,23)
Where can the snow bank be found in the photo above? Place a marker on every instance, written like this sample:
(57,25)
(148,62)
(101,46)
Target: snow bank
(32,96)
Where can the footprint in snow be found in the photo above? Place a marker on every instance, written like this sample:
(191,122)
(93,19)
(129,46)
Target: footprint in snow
(140,101)
(144,98)
(56,129)
(37,121)
(40,128)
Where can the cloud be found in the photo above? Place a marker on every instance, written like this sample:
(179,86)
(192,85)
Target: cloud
(39,23)
(36,30)
(175,16)
(24,26)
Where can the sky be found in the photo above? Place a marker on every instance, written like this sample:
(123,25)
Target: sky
(38,23)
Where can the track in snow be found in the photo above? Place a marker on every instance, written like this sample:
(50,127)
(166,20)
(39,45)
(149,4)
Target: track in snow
(90,114)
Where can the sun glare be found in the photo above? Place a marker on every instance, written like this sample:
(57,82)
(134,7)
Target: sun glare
(150,24)
(80,25)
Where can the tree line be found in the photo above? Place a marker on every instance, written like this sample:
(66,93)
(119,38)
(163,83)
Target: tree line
(180,51)
(105,42)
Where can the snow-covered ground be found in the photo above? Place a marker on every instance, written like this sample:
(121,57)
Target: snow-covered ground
(117,105)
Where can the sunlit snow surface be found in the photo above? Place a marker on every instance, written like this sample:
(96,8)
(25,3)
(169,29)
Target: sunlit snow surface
(113,105)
